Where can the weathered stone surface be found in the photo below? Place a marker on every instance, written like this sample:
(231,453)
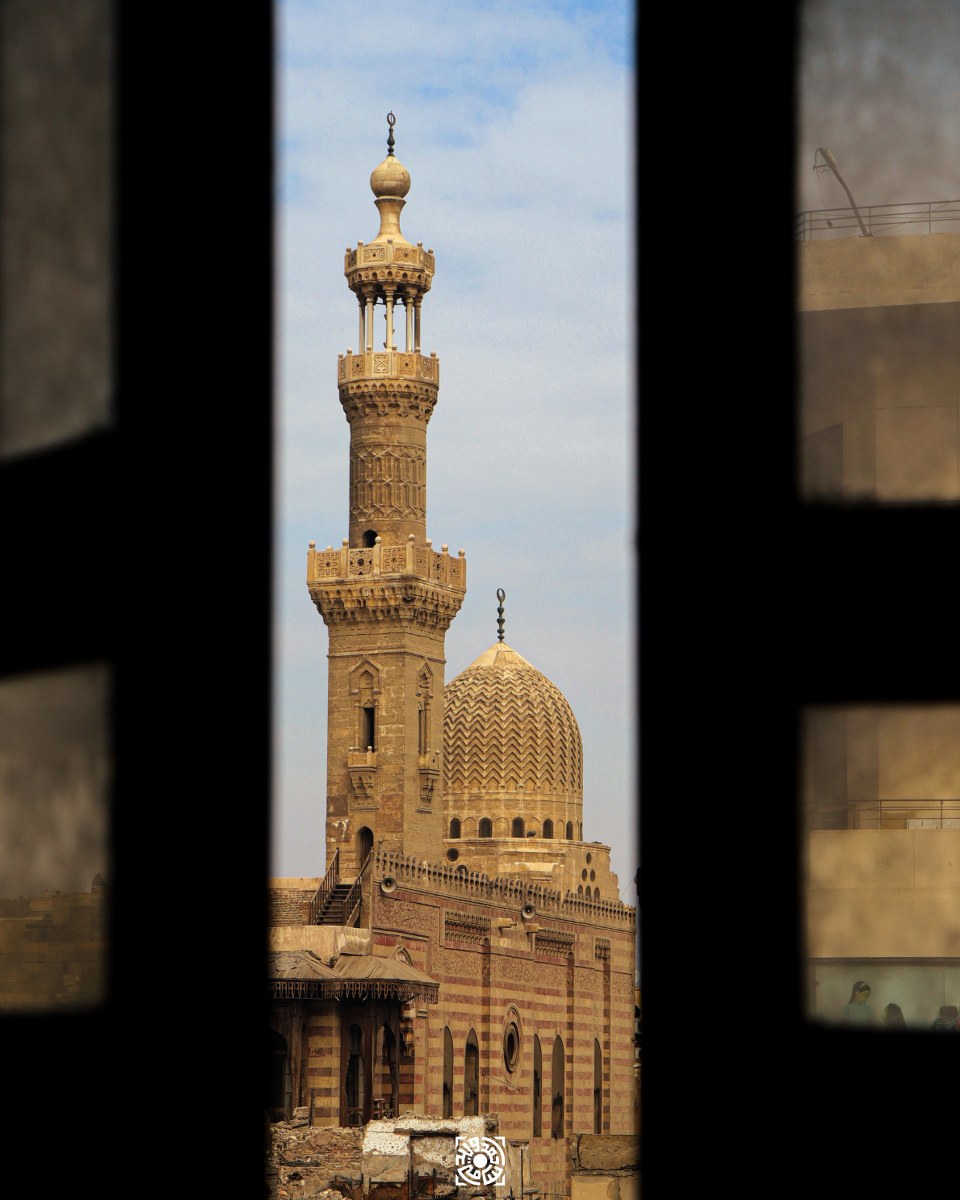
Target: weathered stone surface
(594,1187)
(608,1152)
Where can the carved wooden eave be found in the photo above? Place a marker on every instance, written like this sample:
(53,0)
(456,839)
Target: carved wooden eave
(300,975)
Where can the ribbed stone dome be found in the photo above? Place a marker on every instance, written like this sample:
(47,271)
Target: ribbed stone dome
(507,729)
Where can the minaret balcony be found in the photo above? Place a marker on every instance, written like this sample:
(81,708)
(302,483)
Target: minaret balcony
(389,262)
(388,364)
(385,562)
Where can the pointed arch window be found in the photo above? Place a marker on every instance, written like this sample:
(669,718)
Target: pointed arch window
(471,1077)
(485,828)
(597,1087)
(537,1088)
(455,827)
(517,828)
(367,688)
(558,1091)
(569,831)
(424,696)
(447,1072)
(548,828)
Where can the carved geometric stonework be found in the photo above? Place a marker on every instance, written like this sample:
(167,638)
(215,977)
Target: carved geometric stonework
(363,786)
(585,981)
(622,985)
(517,970)
(412,604)
(428,781)
(414,399)
(501,700)
(372,563)
(390,262)
(601,949)
(465,927)
(388,483)
(555,943)
(403,915)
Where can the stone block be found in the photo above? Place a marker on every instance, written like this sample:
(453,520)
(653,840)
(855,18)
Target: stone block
(608,1151)
(594,1187)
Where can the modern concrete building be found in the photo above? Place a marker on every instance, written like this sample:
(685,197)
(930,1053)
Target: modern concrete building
(879,368)
(466,950)
(881,792)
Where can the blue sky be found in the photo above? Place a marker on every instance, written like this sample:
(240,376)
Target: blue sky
(515,123)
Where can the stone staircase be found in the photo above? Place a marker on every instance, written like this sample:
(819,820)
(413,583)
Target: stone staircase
(333,910)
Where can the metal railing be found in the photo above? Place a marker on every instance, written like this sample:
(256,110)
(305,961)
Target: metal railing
(920,216)
(352,901)
(884,814)
(330,881)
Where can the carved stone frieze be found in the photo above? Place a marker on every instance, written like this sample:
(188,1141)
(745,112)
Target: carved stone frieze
(383,396)
(402,914)
(585,980)
(517,970)
(465,927)
(555,943)
(446,962)
(621,985)
(411,603)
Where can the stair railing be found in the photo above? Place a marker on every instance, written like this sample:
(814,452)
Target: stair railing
(352,899)
(330,881)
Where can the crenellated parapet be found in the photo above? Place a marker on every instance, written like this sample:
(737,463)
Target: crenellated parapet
(440,878)
(377,561)
(414,584)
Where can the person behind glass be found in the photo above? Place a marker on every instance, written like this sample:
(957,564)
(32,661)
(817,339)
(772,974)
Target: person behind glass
(946,1022)
(858,1011)
(892,1017)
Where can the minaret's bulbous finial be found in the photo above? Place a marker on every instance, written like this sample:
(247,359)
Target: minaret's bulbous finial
(390,182)
(501,596)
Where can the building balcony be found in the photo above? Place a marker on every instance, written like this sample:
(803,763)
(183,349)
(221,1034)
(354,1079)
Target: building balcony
(391,260)
(379,561)
(884,814)
(373,365)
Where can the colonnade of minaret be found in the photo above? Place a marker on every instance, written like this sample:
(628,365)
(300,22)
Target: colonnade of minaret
(386,595)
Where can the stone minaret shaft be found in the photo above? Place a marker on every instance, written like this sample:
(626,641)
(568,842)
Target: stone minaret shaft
(386,596)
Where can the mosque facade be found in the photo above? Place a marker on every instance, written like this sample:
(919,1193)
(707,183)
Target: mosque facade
(466,951)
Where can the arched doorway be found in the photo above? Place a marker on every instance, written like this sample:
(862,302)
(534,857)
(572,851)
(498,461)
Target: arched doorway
(278,1077)
(364,845)
(387,1077)
(354,1080)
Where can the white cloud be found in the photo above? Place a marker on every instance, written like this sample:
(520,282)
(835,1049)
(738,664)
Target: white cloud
(514,122)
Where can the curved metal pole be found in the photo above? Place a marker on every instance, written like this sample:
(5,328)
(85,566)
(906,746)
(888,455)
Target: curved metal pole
(832,164)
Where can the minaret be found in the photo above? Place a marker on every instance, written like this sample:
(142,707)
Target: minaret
(386,596)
